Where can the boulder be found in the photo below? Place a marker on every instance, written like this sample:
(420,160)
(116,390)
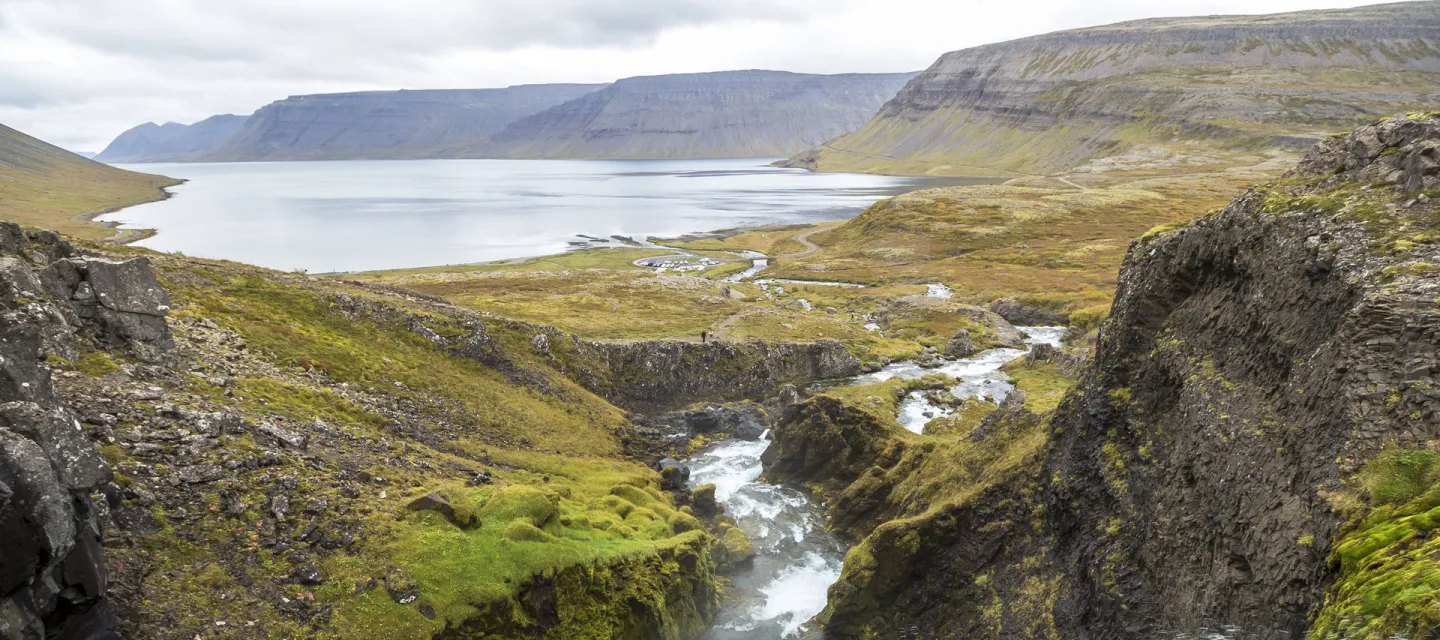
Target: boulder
(673,474)
(437,503)
(1026,316)
(702,499)
(960,345)
(748,430)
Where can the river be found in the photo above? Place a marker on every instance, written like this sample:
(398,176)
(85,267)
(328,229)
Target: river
(797,559)
(387,214)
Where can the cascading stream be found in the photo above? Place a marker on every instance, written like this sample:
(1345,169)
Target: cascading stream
(796,558)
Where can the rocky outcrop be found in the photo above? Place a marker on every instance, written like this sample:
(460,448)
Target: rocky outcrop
(1053,102)
(1198,475)
(661,374)
(172,141)
(385,124)
(52,572)
(727,114)
(1018,313)
(743,420)
(960,345)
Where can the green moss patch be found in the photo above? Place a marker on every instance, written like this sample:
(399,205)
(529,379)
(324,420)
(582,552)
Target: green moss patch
(1389,584)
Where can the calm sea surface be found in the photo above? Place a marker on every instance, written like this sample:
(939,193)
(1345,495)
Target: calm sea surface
(384,214)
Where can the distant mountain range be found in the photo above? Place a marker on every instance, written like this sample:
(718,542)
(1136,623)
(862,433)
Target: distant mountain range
(172,141)
(384,124)
(702,115)
(1052,102)
(706,115)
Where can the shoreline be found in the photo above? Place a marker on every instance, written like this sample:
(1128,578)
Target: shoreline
(128,236)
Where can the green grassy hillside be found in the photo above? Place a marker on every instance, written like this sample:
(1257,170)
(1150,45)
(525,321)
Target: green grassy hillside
(42,185)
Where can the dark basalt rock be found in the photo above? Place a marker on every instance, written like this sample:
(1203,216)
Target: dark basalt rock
(1252,363)
(673,474)
(52,571)
(1026,316)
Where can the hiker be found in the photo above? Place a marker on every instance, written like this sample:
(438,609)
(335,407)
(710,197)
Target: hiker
(704,336)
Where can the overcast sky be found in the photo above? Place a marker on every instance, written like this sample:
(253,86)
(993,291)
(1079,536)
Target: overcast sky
(78,72)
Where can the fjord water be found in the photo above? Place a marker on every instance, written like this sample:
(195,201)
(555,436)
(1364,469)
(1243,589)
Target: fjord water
(797,558)
(387,214)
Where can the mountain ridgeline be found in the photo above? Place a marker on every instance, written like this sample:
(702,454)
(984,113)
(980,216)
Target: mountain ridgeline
(1053,102)
(706,115)
(172,141)
(385,124)
(703,115)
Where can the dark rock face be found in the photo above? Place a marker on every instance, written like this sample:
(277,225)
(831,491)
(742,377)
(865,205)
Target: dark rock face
(1026,316)
(744,420)
(728,114)
(1252,363)
(386,124)
(663,373)
(172,141)
(1064,98)
(52,573)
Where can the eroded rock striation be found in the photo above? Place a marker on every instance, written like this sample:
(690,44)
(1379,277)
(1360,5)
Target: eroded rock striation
(1207,470)
(1056,101)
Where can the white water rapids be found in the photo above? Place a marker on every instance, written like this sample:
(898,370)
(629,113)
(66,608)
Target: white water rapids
(797,559)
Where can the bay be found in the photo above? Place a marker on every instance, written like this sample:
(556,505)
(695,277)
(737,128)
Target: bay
(388,214)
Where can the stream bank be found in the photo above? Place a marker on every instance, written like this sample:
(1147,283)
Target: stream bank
(797,557)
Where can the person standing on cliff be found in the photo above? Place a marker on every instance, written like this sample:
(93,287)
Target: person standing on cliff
(704,336)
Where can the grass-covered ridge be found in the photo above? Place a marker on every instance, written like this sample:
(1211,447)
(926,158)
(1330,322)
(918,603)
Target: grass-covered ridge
(393,408)
(43,185)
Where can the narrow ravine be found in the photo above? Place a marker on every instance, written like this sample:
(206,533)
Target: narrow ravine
(797,558)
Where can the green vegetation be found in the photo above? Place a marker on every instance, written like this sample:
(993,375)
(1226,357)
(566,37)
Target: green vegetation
(562,505)
(1043,383)
(45,186)
(1389,583)
(1048,243)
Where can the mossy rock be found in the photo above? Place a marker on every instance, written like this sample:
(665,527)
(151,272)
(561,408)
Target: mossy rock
(682,522)
(521,531)
(1389,583)
(703,500)
(733,548)
(535,506)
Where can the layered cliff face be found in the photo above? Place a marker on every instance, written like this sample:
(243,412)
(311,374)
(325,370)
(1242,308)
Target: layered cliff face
(727,114)
(1052,102)
(385,124)
(172,141)
(1250,447)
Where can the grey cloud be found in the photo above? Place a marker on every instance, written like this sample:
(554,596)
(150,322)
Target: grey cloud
(216,31)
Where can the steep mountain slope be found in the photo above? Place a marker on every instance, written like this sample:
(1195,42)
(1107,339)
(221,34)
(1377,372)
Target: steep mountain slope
(1252,446)
(172,141)
(41,184)
(385,124)
(702,115)
(1052,102)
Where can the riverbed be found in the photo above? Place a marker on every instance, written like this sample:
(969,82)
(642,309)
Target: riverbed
(797,559)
